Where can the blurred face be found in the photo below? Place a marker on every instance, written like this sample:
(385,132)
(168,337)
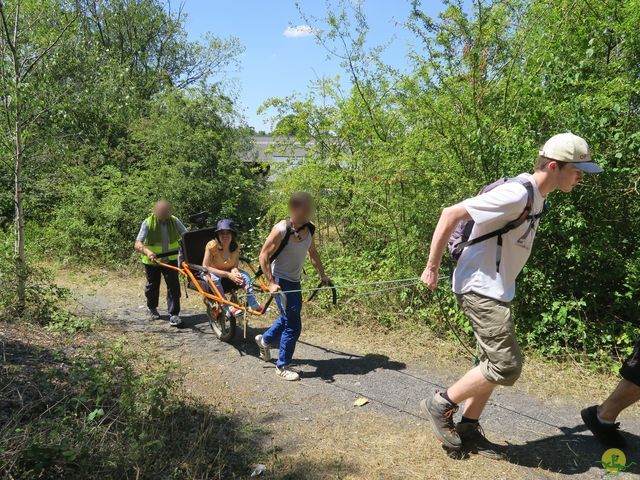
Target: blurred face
(225,237)
(162,210)
(569,177)
(301,212)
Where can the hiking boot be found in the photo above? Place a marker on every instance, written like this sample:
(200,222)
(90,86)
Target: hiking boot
(474,441)
(440,413)
(154,314)
(265,350)
(606,433)
(175,321)
(287,373)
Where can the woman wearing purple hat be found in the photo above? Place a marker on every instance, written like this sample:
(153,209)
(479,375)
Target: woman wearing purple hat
(221,258)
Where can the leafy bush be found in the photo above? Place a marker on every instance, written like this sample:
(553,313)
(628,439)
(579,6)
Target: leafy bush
(487,85)
(46,302)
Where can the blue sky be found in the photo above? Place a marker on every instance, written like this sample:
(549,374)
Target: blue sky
(275,64)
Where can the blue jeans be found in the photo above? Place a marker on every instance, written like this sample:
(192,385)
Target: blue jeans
(247,285)
(286,329)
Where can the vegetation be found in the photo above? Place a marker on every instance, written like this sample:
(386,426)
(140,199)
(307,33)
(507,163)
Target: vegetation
(109,413)
(119,110)
(488,85)
(112,107)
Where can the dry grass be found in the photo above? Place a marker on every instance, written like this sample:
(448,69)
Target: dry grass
(411,343)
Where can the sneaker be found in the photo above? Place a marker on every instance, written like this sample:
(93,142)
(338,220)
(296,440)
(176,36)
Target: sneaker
(236,312)
(175,321)
(440,413)
(265,350)
(154,314)
(474,441)
(606,433)
(287,373)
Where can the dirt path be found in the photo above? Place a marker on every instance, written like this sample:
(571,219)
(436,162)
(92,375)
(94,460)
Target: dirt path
(315,430)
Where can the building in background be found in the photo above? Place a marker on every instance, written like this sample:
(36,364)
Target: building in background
(268,150)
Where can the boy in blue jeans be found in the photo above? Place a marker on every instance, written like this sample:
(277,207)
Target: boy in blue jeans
(289,242)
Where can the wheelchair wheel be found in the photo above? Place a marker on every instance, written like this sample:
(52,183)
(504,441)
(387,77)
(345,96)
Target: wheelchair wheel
(222,323)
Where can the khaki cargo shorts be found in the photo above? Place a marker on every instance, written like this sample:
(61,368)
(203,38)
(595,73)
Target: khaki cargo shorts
(500,358)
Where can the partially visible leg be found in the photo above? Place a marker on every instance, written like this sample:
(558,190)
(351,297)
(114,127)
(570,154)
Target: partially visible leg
(152,288)
(273,335)
(601,419)
(173,289)
(248,286)
(625,395)
(216,281)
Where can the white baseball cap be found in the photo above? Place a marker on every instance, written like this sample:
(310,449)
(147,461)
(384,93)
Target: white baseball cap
(570,148)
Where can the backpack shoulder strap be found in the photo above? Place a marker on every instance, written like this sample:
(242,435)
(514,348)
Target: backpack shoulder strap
(526,212)
(513,223)
(283,243)
(291,231)
(310,226)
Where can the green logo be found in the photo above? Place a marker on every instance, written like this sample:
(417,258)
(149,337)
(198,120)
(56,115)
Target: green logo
(614,461)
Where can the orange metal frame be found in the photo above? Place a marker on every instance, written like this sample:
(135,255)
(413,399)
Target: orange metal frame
(218,297)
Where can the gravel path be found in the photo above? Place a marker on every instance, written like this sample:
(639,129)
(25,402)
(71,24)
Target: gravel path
(546,436)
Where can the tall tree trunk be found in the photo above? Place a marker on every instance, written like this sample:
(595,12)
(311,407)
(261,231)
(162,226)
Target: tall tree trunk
(21,264)
(11,41)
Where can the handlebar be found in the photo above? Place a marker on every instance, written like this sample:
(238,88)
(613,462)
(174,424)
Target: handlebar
(168,253)
(197,268)
(199,218)
(334,293)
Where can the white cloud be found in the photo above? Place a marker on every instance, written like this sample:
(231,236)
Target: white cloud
(298,31)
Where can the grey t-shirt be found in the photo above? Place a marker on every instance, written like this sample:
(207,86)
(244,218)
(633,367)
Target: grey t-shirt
(290,262)
(164,229)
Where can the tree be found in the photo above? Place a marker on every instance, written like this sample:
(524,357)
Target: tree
(488,82)
(20,59)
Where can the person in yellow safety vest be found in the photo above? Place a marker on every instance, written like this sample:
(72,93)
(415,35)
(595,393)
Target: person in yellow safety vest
(161,232)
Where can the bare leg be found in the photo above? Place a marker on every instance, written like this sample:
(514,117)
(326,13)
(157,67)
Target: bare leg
(473,406)
(473,386)
(625,395)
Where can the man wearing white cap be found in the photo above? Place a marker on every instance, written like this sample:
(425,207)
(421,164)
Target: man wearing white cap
(494,237)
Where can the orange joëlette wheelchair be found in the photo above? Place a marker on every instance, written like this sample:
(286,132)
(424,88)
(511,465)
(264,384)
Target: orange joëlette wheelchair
(221,320)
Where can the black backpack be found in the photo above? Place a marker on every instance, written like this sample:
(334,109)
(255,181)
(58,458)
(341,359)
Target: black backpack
(460,237)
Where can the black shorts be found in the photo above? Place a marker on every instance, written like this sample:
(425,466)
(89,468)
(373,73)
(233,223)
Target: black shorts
(630,369)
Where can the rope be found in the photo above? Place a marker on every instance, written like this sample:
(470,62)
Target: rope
(401,283)
(474,357)
(404,281)
(381,290)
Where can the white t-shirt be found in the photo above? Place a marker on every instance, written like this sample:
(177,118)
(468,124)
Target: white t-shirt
(476,269)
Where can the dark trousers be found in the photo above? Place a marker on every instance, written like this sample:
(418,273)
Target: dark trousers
(631,367)
(152,289)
